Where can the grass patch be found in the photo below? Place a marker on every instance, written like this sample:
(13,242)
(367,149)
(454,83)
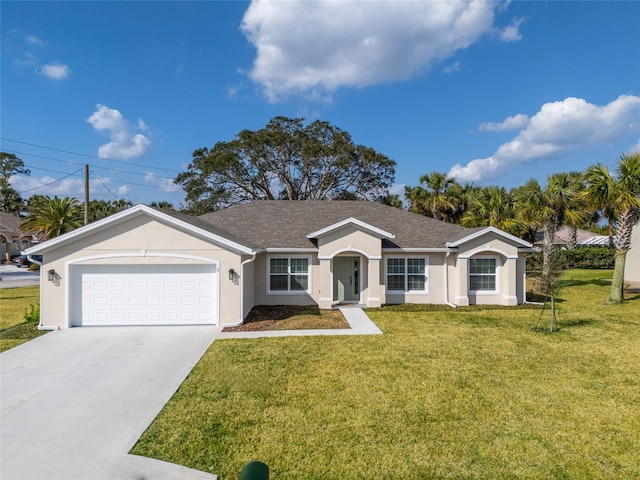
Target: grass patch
(290,317)
(16,303)
(465,393)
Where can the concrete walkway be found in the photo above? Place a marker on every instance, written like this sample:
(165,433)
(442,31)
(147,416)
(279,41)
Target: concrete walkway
(75,401)
(359,322)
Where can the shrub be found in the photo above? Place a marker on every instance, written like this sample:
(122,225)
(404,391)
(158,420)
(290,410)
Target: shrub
(32,313)
(581,257)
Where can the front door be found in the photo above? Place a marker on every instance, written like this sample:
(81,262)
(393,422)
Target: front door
(346,279)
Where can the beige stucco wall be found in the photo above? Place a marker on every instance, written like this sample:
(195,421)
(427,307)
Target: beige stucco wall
(435,279)
(632,263)
(262,297)
(350,240)
(136,241)
(510,271)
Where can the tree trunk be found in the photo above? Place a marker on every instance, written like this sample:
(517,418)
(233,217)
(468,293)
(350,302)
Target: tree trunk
(573,238)
(626,220)
(617,283)
(547,252)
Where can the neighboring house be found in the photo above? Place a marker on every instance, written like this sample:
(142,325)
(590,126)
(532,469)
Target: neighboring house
(583,238)
(12,239)
(147,266)
(632,263)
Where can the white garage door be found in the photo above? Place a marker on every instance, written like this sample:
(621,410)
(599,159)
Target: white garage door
(145,294)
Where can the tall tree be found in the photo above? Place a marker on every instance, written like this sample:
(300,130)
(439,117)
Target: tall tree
(623,193)
(437,196)
(495,207)
(285,160)
(10,200)
(54,216)
(164,205)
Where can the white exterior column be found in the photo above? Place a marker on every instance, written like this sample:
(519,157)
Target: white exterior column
(510,282)
(375,288)
(462,299)
(325,293)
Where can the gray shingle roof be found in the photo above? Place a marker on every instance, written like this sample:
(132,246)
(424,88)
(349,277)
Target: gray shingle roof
(286,224)
(210,227)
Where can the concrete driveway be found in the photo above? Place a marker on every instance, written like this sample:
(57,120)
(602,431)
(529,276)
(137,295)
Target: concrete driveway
(75,401)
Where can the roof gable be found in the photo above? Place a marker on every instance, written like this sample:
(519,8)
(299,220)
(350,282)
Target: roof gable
(181,222)
(375,231)
(506,236)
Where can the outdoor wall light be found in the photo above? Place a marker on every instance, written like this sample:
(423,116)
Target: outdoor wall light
(51,275)
(232,274)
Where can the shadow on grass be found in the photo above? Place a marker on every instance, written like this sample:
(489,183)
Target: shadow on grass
(418,307)
(600,282)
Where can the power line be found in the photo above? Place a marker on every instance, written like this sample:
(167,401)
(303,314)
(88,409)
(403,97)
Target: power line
(47,184)
(76,163)
(102,183)
(87,156)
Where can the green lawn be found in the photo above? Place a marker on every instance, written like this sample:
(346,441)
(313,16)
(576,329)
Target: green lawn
(467,393)
(14,330)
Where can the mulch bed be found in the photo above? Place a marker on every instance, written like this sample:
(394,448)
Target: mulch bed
(268,317)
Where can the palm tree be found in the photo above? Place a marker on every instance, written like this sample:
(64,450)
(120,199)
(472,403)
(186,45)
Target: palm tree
(618,194)
(54,216)
(439,198)
(576,182)
(600,195)
(495,207)
(550,208)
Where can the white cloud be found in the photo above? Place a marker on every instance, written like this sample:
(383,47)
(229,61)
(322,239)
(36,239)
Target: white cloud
(33,40)
(55,71)
(512,32)
(27,60)
(455,67)
(511,123)
(635,148)
(165,184)
(557,129)
(67,187)
(124,142)
(313,48)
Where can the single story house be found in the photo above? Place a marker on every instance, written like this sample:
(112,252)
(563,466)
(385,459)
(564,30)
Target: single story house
(12,239)
(145,266)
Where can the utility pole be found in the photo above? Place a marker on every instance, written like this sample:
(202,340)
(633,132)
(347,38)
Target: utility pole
(86,194)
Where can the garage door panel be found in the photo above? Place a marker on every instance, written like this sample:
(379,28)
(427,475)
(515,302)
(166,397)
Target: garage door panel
(146,295)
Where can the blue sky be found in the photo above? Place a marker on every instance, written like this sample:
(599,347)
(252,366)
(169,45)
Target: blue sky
(494,93)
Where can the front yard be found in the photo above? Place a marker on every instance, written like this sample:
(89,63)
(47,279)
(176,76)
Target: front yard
(467,393)
(14,328)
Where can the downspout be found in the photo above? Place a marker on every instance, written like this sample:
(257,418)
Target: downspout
(248,260)
(40,325)
(446,281)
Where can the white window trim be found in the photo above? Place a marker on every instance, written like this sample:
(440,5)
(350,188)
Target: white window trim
(288,292)
(497,275)
(406,273)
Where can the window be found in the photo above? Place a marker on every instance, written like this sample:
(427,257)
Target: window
(407,274)
(482,274)
(289,274)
